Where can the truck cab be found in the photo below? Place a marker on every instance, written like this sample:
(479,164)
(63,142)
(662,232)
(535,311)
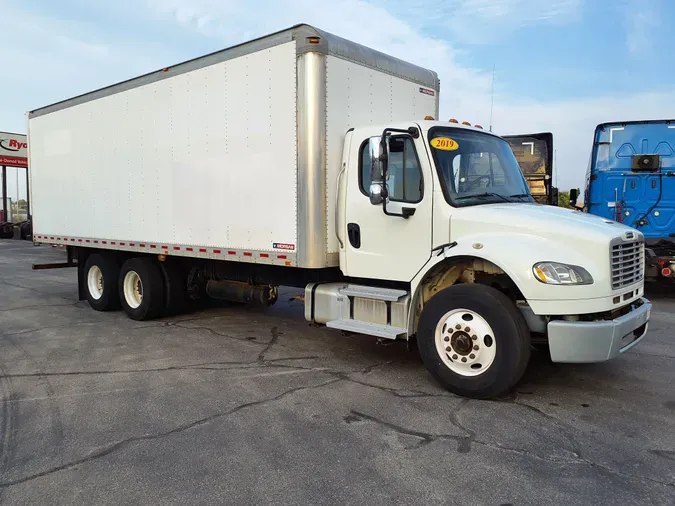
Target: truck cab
(534,153)
(631,180)
(441,239)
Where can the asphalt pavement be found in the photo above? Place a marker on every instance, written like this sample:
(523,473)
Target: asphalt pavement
(245,405)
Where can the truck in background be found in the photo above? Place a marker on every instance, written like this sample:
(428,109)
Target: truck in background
(631,180)
(534,153)
(315,162)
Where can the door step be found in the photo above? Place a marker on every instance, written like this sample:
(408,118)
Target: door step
(371,329)
(373,292)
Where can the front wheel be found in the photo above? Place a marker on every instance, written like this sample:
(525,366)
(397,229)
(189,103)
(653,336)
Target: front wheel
(473,340)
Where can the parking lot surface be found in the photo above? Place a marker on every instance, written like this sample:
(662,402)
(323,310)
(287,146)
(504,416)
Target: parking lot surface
(244,405)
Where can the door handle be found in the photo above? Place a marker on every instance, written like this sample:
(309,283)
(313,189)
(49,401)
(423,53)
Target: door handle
(354,235)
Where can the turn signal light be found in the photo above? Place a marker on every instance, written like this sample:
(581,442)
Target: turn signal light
(453,120)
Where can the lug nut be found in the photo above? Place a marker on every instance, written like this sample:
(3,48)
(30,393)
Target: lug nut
(458,327)
(448,349)
(463,359)
(475,348)
(472,356)
(454,357)
(467,329)
(475,338)
(446,339)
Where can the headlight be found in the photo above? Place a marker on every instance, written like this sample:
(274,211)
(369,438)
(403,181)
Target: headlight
(553,273)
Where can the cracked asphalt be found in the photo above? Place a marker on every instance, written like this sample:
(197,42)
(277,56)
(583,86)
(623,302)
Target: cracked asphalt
(244,405)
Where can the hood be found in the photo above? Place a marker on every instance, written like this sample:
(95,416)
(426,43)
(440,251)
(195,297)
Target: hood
(542,221)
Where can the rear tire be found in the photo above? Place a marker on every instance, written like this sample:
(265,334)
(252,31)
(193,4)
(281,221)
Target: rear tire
(101,272)
(141,288)
(474,341)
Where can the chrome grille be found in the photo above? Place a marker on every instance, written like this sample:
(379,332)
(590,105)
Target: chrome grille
(628,261)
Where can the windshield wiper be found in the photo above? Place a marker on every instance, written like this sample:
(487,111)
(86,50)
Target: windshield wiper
(520,195)
(485,195)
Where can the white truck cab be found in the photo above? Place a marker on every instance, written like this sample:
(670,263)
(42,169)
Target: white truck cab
(444,209)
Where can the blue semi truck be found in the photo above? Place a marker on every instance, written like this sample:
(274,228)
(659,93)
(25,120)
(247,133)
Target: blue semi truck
(631,180)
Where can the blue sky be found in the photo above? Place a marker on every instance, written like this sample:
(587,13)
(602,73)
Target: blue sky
(561,65)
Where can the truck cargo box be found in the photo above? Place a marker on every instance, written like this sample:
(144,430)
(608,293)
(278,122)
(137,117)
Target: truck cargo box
(233,155)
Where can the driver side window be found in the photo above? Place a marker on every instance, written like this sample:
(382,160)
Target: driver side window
(404,178)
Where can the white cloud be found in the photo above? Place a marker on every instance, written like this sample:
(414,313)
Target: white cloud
(73,64)
(640,20)
(478,22)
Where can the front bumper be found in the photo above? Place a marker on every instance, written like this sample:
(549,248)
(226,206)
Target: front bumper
(597,341)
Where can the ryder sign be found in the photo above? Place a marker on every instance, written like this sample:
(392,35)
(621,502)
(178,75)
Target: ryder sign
(13,149)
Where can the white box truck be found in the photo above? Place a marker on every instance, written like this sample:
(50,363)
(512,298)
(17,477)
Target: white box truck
(303,159)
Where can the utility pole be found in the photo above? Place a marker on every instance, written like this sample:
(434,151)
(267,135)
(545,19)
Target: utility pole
(492,95)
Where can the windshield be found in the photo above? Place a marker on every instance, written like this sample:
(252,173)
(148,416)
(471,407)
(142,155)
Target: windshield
(476,168)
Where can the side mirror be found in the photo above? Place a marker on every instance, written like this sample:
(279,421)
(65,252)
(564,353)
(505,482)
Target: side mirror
(574,196)
(376,194)
(378,189)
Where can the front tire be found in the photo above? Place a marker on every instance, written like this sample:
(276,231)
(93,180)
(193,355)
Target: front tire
(141,288)
(474,341)
(100,281)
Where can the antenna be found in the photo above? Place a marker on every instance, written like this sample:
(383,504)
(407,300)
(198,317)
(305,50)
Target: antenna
(555,167)
(492,96)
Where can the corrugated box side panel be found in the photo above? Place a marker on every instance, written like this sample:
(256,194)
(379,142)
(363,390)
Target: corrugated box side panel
(207,157)
(357,95)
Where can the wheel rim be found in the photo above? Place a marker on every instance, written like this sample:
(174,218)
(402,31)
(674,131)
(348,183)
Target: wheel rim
(133,289)
(465,342)
(95,282)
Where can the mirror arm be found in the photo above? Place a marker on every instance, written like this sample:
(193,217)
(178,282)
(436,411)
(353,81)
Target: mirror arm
(414,132)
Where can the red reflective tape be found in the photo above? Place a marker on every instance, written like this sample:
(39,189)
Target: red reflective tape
(264,255)
(153,246)
(87,241)
(123,244)
(141,245)
(79,240)
(104,242)
(165,247)
(51,238)
(132,244)
(216,251)
(113,242)
(177,248)
(188,249)
(282,257)
(72,240)
(248,254)
(231,252)
(95,242)
(202,250)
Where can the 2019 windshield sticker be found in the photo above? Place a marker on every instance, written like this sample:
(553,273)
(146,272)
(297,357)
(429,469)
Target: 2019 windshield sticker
(444,143)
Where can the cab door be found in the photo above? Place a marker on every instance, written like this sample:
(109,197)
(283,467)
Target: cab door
(382,246)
